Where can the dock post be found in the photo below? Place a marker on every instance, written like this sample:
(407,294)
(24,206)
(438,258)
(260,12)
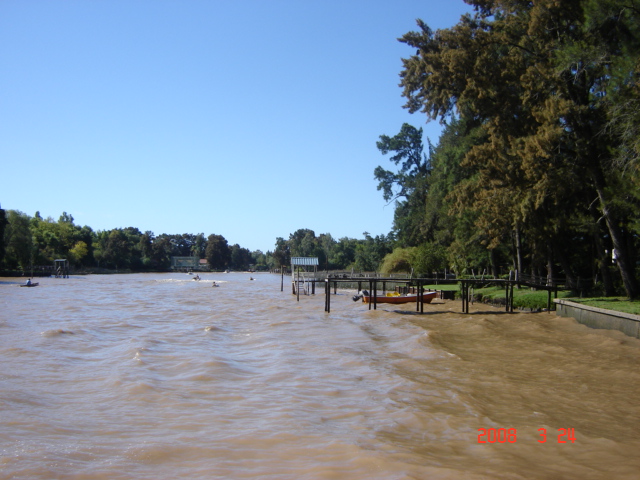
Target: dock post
(327,296)
(375,295)
(511,300)
(507,288)
(465,293)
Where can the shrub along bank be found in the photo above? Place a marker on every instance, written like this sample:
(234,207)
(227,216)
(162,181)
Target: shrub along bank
(523,298)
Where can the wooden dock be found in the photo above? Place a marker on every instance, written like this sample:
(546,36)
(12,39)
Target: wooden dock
(374,283)
(418,286)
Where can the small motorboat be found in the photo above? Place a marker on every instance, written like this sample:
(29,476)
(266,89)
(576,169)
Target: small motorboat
(396,298)
(30,284)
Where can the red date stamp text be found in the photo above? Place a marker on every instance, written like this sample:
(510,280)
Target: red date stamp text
(510,435)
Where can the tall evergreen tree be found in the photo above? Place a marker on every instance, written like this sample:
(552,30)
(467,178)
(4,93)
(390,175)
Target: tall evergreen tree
(506,68)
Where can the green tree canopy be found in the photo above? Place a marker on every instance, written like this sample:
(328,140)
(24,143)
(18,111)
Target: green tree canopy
(218,252)
(538,79)
(408,149)
(18,240)
(240,258)
(282,253)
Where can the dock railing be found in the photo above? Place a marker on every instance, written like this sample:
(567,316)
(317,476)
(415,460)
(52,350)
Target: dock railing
(418,285)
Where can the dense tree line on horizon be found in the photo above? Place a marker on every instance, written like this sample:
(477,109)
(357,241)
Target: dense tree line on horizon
(362,255)
(37,241)
(537,167)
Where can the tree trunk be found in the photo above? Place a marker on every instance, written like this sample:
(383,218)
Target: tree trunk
(494,263)
(518,250)
(623,256)
(564,264)
(603,258)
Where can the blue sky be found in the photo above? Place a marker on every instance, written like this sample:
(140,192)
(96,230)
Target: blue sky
(249,119)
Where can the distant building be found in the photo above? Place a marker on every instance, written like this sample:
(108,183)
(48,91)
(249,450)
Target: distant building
(188,263)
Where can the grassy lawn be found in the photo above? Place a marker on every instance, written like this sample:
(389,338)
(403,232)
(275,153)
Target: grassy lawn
(527,298)
(447,288)
(522,297)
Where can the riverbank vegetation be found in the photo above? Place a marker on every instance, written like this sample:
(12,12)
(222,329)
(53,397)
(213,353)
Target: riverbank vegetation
(36,241)
(537,167)
(536,300)
(523,298)
(529,299)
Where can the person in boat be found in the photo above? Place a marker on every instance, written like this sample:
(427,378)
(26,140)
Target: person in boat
(214,284)
(28,282)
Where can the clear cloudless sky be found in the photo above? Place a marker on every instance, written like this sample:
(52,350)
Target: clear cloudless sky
(248,119)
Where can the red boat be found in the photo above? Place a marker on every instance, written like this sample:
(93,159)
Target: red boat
(397,299)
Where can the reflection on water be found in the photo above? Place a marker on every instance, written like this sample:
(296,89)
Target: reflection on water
(159,376)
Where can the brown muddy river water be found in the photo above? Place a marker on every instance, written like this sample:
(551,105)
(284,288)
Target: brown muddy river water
(158,376)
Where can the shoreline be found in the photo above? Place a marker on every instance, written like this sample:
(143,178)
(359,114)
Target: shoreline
(599,318)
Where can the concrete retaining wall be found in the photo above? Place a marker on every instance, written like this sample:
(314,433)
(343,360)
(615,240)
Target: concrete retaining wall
(599,318)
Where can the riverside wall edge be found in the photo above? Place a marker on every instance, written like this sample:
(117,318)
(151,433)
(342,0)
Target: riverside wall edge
(599,318)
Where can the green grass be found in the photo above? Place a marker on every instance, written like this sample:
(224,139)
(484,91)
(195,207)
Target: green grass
(527,298)
(522,297)
(450,288)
